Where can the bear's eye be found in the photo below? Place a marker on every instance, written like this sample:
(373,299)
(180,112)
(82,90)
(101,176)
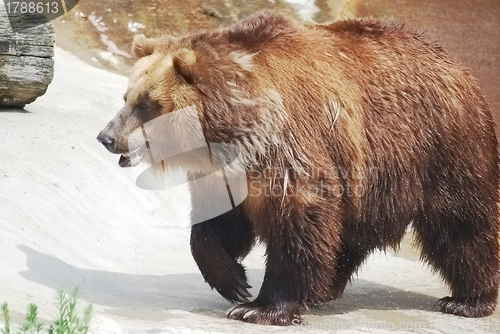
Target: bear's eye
(125,97)
(146,108)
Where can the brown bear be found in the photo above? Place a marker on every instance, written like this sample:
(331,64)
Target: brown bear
(350,132)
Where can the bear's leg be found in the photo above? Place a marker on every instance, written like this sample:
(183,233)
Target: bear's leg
(349,261)
(301,253)
(217,245)
(466,254)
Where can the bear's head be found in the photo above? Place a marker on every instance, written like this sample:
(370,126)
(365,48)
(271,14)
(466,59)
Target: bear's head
(223,74)
(161,81)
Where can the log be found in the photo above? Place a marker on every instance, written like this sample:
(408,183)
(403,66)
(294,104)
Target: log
(26,61)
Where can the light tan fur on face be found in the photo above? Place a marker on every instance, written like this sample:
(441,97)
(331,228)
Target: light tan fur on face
(155,75)
(151,74)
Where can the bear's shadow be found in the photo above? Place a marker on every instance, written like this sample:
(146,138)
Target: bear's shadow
(20,110)
(190,292)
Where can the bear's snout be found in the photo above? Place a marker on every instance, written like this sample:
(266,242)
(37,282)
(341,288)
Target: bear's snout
(113,141)
(107,140)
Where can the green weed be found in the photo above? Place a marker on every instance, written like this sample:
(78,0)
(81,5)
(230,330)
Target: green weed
(68,320)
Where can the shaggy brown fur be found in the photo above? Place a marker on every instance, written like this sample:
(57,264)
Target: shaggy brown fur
(350,131)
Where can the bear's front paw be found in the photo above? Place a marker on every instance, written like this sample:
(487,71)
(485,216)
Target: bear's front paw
(465,308)
(233,287)
(281,314)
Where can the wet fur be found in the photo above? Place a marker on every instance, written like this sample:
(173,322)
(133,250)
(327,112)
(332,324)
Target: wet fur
(361,104)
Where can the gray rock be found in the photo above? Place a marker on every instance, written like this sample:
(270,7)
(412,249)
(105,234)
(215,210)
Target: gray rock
(26,62)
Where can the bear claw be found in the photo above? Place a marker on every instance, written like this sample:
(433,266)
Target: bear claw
(239,294)
(232,285)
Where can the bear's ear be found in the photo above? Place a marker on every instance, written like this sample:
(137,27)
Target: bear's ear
(142,46)
(184,62)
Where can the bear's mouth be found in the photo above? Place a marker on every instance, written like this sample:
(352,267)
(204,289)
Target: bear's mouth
(132,159)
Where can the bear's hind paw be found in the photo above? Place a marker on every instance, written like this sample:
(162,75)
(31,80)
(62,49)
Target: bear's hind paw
(465,308)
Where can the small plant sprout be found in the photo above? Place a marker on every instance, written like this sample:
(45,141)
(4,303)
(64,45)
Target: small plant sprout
(6,317)
(68,320)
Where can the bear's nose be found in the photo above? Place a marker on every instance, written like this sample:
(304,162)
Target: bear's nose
(105,139)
